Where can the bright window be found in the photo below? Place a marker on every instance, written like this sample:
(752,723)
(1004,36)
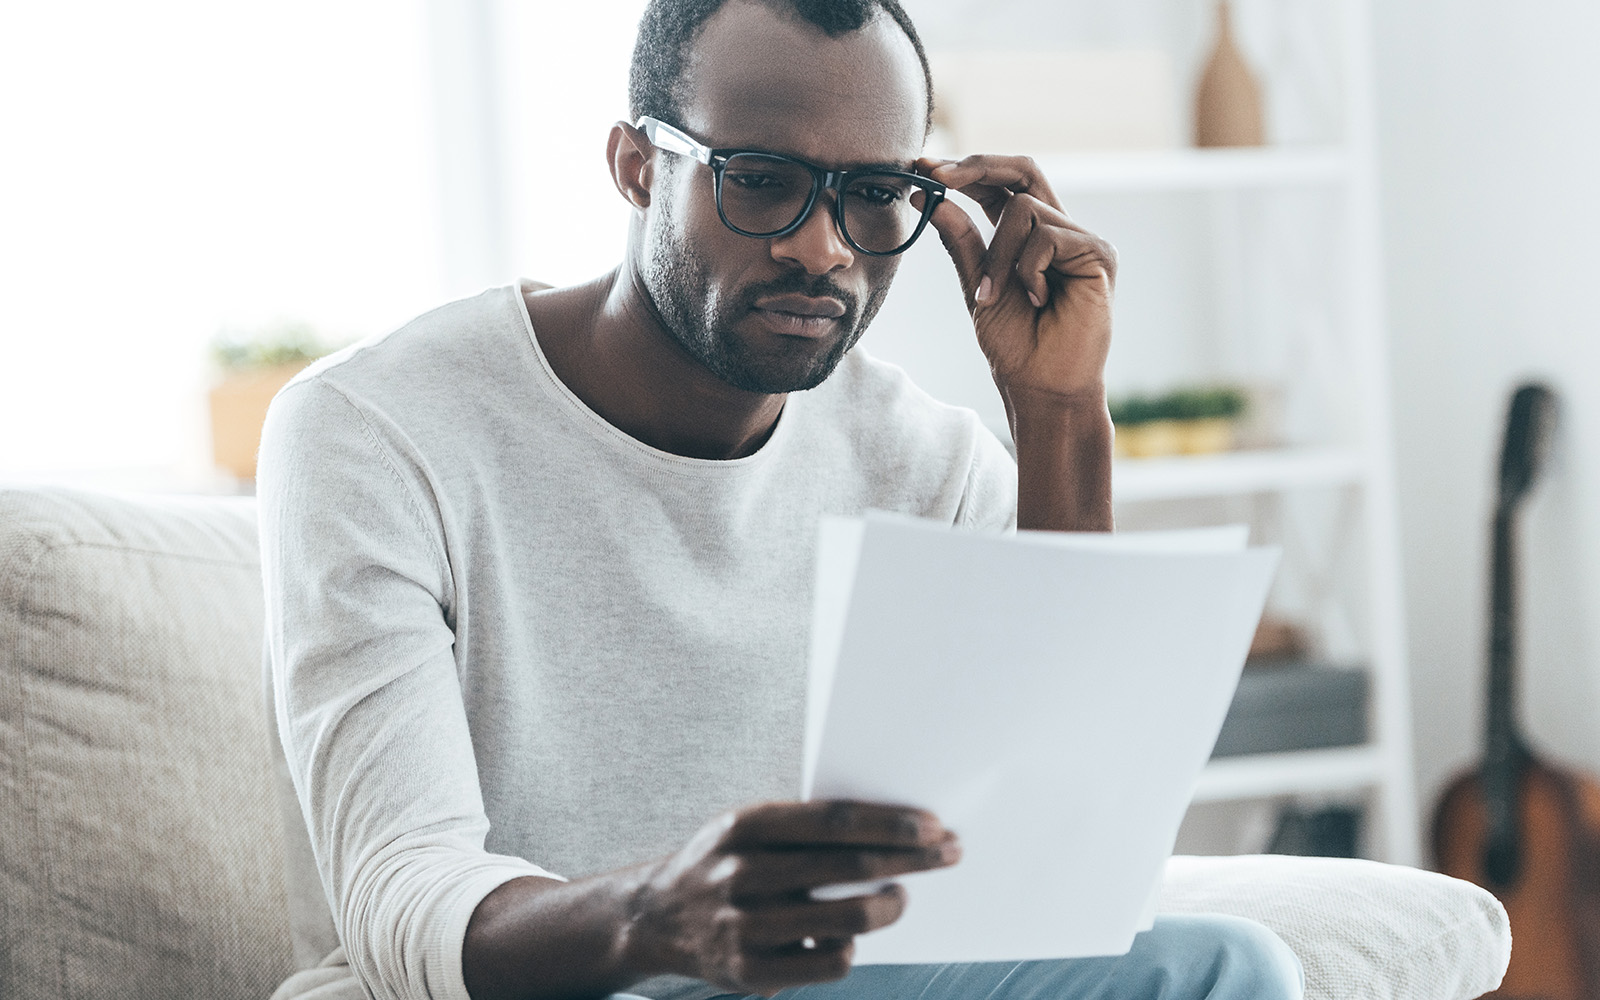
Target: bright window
(175,168)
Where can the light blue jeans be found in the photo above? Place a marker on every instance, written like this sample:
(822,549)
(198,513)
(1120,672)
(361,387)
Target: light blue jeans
(1206,957)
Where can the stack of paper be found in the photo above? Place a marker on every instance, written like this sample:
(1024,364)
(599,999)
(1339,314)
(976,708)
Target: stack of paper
(1051,697)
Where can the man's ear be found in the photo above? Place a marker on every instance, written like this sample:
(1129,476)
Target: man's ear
(632,160)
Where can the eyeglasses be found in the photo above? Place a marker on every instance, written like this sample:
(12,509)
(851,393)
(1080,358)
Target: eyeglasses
(766,195)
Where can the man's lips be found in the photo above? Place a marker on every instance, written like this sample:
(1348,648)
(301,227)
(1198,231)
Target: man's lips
(802,305)
(800,315)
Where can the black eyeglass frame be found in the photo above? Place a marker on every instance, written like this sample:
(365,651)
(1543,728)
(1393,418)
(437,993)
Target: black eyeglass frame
(674,140)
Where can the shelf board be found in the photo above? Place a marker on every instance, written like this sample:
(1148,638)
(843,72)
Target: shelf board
(1195,169)
(1235,473)
(1301,772)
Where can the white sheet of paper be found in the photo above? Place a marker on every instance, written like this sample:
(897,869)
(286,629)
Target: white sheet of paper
(1052,698)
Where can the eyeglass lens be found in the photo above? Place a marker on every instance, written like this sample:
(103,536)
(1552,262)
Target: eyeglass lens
(764,194)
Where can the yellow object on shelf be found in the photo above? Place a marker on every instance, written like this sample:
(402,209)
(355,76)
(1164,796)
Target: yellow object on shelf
(1162,438)
(1206,436)
(238,409)
(1151,439)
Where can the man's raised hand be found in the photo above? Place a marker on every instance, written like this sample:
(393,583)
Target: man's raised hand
(734,907)
(1039,292)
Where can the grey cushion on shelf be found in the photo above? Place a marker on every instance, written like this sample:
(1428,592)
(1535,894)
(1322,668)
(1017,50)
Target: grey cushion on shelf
(143,853)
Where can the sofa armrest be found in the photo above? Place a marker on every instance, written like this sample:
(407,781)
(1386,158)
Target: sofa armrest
(1362,930)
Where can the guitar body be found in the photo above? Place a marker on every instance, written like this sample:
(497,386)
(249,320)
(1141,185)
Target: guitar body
(1554,900)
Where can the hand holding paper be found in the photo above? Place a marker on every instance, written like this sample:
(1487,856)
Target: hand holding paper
(733,907)
(1051,698)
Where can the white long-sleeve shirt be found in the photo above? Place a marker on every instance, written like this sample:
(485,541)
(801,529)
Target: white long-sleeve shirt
(508,639)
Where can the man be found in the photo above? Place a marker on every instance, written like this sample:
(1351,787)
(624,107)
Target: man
(538,563)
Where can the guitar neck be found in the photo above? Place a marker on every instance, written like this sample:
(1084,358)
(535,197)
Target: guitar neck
(1502,740)
(1505,754)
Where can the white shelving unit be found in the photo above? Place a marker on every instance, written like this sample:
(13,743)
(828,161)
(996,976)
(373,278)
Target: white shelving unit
(1356,462)
(1195,169)
(1336,457)
(1238,473)
(1303,772)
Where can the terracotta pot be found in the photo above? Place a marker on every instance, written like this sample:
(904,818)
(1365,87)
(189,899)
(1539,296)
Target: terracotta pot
(238,409)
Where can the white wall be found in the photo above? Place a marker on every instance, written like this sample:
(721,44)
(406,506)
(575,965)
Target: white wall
(1491,159)
(173,168)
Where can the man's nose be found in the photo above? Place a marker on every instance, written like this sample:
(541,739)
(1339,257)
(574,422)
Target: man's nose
(817,245)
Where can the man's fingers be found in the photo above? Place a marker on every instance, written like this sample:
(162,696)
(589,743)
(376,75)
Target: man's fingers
(1016,227)
(991,199)
(964,243)
(840,919)
(778,873)
(833,822)
(795,965)
(1059,250)
(1033,261)
(1035,248)
(987,175)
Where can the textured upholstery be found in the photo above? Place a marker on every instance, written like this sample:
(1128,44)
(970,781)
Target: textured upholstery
(142,848)
(1362,930)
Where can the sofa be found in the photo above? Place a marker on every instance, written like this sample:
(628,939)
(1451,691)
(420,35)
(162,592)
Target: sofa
(142,851)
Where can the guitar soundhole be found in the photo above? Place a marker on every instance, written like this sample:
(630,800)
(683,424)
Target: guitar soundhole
(1500,864)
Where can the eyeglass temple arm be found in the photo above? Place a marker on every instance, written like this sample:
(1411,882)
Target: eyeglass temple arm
(664,136)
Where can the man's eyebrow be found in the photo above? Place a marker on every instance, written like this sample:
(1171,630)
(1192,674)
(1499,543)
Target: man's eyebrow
(854,166)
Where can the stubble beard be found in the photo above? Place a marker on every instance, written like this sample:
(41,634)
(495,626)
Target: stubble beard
(678,280)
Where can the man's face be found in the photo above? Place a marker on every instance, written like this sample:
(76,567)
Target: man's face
(776,315)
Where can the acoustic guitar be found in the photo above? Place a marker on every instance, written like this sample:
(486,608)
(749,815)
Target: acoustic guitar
(1522,827)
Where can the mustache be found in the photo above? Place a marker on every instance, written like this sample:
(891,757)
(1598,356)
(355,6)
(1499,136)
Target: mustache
(820,286)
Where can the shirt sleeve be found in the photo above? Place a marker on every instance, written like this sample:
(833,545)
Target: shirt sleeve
(989,500)
(368,700)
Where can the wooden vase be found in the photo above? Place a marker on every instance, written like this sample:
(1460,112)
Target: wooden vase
(1228,103)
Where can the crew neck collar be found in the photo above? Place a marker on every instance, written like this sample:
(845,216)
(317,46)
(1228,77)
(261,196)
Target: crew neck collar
(619,439)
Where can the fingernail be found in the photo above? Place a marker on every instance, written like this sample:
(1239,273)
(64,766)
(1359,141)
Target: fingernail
(1037,302)
(983,289)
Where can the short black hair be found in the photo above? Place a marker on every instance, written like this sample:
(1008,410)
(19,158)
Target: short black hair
(669,28)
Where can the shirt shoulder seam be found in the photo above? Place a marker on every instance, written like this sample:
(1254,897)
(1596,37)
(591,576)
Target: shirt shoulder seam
(441,564)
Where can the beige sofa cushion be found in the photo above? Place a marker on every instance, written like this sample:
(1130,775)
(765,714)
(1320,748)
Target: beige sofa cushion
(143,850)
(1363,930)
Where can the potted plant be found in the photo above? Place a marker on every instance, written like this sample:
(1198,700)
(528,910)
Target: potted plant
(1185,421)
(253,367)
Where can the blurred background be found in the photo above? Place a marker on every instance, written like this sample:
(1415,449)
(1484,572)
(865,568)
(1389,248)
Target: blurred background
(194,190)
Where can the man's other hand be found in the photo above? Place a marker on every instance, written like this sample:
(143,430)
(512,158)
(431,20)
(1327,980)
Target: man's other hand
(1040,291)
(734,907)
(1040,297)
